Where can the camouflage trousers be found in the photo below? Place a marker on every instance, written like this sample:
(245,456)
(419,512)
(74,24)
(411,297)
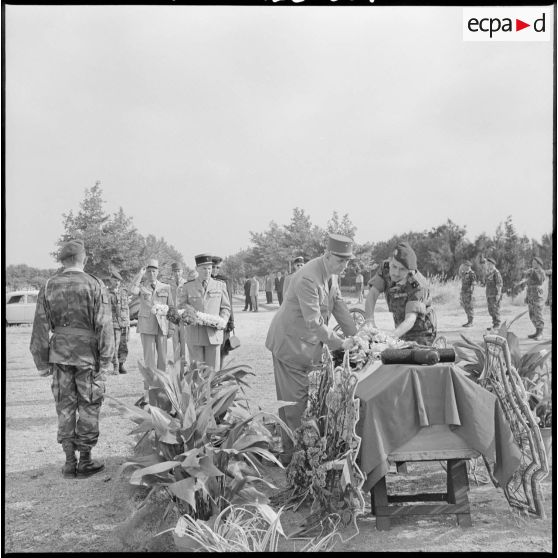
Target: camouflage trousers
(120,345)
(78,392)
(536,314)
(493,303)
(467,301)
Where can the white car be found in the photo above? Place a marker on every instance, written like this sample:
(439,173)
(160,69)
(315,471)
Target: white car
(20,307)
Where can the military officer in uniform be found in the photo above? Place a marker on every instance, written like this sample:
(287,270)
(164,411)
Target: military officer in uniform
(74,306)
(299,329)
(178,330)
(120,320)
(494,294)
(209,296)
(468,280)
(535,278)
(407,297)
(218,276)
(298,263)
(153,329)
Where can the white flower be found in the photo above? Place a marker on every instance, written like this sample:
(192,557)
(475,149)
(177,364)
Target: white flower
(159,309)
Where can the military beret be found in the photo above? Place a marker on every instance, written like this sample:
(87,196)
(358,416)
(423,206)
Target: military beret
(405,255)
(538,260)
(216,260)
(298,259)
(72,248)
(340,245)
(491,260)
(175,266)
(114,273)
(202,259)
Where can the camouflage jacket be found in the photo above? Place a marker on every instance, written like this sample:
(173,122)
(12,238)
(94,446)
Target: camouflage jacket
(120,307)
(468,280)
(411,296)
(535,279)
(494,284)
(75,307)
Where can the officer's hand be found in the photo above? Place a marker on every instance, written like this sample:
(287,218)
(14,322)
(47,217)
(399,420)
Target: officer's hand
(348,343)
(170,334)
(143,270)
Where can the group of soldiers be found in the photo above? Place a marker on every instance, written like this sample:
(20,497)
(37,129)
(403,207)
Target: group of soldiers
(81,326)
(80,333)
(533,279)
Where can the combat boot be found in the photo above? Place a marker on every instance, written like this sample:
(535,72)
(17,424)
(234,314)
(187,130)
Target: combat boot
(121,369)
(532,336)
(86,466)
(69,469)
(468,324)
(538,334)
(115,370)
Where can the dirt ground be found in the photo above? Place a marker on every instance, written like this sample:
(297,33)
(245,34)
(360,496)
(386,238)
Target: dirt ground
(47,513)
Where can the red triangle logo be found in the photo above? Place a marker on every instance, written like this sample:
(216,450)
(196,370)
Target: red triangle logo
(519,25)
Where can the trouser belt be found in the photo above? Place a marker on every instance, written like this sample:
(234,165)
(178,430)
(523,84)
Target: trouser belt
(75,331)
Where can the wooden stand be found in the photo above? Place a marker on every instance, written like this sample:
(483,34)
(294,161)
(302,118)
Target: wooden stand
(434,443)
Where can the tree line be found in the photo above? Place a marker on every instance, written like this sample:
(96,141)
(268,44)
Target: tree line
(112,239)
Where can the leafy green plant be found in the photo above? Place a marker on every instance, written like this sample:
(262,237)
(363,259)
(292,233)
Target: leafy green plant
(533,367)
(198,440)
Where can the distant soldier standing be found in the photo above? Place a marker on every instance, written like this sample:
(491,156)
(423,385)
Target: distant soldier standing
(218,276)
(535,278)
(548,273)
(494,285)
(75,307)
(178,330)
(468,280)
(120,320)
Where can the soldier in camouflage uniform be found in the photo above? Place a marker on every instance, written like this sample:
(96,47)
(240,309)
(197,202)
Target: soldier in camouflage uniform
(494,293)
(548,273)
(120,321)
(407,297)
(535,278)
(75,307)
(468,280)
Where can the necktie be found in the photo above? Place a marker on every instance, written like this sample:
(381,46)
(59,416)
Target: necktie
(329,283)
(204,284)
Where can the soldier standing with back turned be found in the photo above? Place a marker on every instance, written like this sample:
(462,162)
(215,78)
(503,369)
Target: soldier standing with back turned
(535,278)
(75,307)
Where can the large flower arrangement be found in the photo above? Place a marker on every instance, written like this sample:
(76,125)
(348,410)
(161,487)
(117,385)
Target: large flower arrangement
(369,344)
(189,316)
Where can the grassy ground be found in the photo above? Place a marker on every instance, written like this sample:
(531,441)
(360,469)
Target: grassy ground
(46,513)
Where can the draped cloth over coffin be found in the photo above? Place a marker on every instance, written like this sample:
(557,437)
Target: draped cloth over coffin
(397,400)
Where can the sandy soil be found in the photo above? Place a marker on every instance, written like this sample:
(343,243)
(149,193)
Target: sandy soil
(46,513)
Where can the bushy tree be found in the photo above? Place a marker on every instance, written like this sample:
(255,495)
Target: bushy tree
(22,276)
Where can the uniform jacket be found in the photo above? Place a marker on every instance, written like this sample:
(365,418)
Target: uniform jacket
(269,283)
(120,308)
(299,328)
(286,281)
(535,279)
(219,277)
(411,296)
(494,284)
(147,321)
(468,280)
(75,307)
(213,300)
(247,285)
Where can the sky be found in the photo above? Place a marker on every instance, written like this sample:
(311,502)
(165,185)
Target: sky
(207,122)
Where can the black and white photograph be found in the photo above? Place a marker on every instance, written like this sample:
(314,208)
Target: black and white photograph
(278,277)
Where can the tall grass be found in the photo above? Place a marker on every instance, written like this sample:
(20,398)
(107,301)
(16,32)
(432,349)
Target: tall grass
(445,293)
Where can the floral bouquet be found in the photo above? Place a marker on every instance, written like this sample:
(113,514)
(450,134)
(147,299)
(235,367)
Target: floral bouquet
(369,344)
(159,309)
(191,316)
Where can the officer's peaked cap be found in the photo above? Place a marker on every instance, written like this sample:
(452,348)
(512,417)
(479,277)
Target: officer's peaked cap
(175,266)
(298,259)
(340,245)
(491,260)
(152,263)
(538,260)
(202,259)
(216,260)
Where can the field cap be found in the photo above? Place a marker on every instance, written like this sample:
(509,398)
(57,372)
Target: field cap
(405,255)
(467,262)
(298,259)
(152,263)
(491,260)
(340,245)
(203,259)
(216,260)
(538,260)
(175,266)
(72,248)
